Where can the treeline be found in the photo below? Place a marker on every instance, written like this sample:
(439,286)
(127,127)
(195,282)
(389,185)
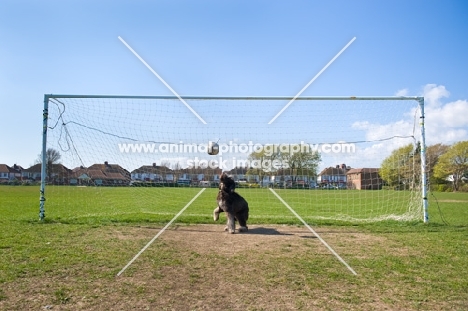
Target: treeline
(446,167)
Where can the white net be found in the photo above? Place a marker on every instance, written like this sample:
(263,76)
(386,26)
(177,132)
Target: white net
(128,158)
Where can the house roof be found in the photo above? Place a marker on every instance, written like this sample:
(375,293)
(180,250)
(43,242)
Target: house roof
(154,169)
(333,171)
(95,174)
(115,176)
(36,168)
(16,168)
(110,168)
(98,174)
(366,170)
(4,168)
(56,168)
(59,168)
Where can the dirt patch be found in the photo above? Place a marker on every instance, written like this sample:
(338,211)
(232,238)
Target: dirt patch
(201,267)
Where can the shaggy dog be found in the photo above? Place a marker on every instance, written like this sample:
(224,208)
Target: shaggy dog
(230,202)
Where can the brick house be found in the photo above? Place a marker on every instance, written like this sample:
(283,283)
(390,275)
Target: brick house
(364,179)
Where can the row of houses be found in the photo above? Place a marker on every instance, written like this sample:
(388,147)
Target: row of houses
(97,174)
(341,176)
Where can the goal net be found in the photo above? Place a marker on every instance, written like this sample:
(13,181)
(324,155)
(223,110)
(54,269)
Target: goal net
(142,158)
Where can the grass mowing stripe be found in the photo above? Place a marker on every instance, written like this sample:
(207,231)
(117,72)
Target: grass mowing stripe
(315,233)
(160,232)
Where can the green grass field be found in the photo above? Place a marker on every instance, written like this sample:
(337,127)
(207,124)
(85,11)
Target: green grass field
(70,261)
(130,204)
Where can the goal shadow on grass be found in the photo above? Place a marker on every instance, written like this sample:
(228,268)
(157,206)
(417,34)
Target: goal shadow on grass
(266,231)
(273,231)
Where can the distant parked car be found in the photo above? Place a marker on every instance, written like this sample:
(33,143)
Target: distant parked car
(183,182)
(204,183)
(328,186)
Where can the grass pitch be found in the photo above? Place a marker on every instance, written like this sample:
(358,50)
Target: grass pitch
(136,204)
(69,262)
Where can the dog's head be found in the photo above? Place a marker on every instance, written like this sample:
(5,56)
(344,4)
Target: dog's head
(226,183)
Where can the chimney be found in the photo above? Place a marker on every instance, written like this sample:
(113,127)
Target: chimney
(154,164)
(106,163)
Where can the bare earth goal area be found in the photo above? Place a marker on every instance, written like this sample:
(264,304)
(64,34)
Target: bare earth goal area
(200,267)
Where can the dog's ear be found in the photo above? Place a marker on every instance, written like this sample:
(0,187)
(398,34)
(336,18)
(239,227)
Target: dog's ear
(223,177)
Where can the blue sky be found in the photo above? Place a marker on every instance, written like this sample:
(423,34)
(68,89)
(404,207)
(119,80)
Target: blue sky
(233,48)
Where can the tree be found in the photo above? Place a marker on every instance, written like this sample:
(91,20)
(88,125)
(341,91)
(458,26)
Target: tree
(298,162)
(260,157)
(433,153)
(453,164)
(402,168)
(52,157)
(303,163)
(166,163)
(177,168)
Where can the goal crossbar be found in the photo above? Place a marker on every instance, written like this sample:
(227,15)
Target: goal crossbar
(197,97)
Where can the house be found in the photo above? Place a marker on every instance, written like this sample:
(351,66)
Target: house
(364,179)
(8,173)
(333,176)
(195,175)
(290,177)
(84,176)
(101,175)
(282,177)
(15,172)
(153,173)
(56,174)
(240,174)
(4,172)
(111,168)
(32,173)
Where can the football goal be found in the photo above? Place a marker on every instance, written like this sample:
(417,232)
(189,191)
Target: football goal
(331,159)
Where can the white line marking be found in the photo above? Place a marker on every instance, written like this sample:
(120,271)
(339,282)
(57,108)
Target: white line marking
(160,232)
(162,80)
(313,79)
(315,233)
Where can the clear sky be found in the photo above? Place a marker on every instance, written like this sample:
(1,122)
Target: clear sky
(235,48)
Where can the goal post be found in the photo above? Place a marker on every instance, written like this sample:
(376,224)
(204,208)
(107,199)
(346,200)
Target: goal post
(324,155)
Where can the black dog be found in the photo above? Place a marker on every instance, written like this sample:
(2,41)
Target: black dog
(230,202)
